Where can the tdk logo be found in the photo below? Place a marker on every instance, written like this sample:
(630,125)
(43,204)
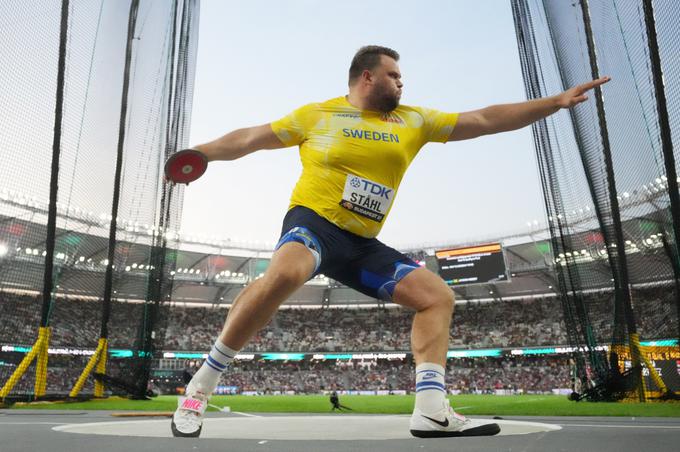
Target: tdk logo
(374,189)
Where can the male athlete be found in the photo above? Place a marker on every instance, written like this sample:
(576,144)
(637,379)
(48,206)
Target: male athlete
(355,150)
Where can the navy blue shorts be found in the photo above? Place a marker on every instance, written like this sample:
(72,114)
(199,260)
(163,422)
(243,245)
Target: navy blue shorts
(366,265)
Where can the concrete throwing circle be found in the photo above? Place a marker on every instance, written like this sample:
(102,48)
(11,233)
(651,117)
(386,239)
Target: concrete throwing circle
(350,427)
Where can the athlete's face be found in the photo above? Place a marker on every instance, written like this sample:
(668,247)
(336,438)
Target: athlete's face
(386,90)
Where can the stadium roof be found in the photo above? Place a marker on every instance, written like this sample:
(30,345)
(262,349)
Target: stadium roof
(213,271)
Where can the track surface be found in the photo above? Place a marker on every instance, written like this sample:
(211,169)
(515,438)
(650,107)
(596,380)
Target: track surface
(33,430)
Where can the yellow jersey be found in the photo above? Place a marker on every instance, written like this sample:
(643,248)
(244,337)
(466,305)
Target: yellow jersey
(353,160)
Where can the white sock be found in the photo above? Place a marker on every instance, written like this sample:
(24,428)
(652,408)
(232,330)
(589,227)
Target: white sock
(206,378)
(430,387)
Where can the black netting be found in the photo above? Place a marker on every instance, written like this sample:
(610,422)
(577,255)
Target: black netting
(604,171)
(111,105)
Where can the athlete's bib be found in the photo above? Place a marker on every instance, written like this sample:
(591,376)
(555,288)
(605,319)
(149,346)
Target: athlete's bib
(367,198)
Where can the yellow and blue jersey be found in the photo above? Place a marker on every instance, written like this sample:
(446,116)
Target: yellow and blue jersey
(354,160)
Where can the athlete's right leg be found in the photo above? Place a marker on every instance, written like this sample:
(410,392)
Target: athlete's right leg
(291,266)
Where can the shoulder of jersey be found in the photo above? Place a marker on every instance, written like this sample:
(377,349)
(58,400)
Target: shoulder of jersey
(409,109)
(334,102)
(329,104)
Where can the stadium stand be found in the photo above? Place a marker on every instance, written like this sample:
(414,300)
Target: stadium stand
(513,323)
(527,322)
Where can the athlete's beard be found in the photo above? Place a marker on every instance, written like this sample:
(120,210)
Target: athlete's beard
(382,99)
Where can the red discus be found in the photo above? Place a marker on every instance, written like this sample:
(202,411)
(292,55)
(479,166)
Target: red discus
(185,166)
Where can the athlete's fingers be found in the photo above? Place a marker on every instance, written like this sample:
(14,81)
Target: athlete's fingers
(576,95)
(593,84)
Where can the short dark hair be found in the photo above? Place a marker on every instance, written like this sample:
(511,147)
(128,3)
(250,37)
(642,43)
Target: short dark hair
(367,58)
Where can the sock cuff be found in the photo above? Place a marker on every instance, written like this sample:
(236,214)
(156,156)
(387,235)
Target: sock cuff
(224,350)
(424,367)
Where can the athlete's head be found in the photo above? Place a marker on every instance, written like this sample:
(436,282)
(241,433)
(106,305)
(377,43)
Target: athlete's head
(374,70)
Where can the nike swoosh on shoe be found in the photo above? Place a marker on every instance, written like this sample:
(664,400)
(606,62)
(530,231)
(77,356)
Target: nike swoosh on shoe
(444,423)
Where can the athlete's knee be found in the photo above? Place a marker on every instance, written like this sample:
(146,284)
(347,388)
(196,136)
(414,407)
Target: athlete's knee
(285,277)
(442,300)
(448,300)
(442,295)
(425,290)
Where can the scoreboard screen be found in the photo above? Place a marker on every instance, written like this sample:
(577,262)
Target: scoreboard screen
(472,265)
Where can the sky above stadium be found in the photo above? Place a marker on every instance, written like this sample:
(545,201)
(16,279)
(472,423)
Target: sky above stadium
(259,60)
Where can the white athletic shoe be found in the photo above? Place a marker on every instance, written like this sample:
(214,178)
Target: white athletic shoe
(188,419)
(446,423)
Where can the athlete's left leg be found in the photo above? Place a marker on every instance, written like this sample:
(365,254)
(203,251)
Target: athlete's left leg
(379,271)
(433,301)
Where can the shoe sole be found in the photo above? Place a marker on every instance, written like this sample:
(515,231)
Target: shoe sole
(176,433)
(482,430)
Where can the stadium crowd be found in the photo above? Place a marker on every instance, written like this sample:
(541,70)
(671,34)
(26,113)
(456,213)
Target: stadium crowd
(475,325)
(75,323)
(516,323)
(537,374)
(465,375)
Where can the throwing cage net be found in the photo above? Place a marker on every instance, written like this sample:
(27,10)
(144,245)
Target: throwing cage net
(96,95)
(609,176)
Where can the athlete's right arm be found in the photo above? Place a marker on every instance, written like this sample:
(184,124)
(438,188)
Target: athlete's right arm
(240,142)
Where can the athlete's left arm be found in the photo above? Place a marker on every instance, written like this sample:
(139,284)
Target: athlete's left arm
(505,117)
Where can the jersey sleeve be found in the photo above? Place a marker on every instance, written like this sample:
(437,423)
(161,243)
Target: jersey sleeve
(437,125)
(292,129)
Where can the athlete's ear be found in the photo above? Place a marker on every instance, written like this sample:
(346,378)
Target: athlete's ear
(366,76)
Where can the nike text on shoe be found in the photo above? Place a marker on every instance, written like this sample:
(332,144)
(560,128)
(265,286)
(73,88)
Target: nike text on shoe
(188,419)
(447,423)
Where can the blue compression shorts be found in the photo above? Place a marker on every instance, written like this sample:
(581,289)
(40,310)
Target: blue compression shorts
(366,265)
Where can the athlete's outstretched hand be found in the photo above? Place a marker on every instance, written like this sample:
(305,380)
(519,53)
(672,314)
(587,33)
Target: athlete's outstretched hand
(577,94)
